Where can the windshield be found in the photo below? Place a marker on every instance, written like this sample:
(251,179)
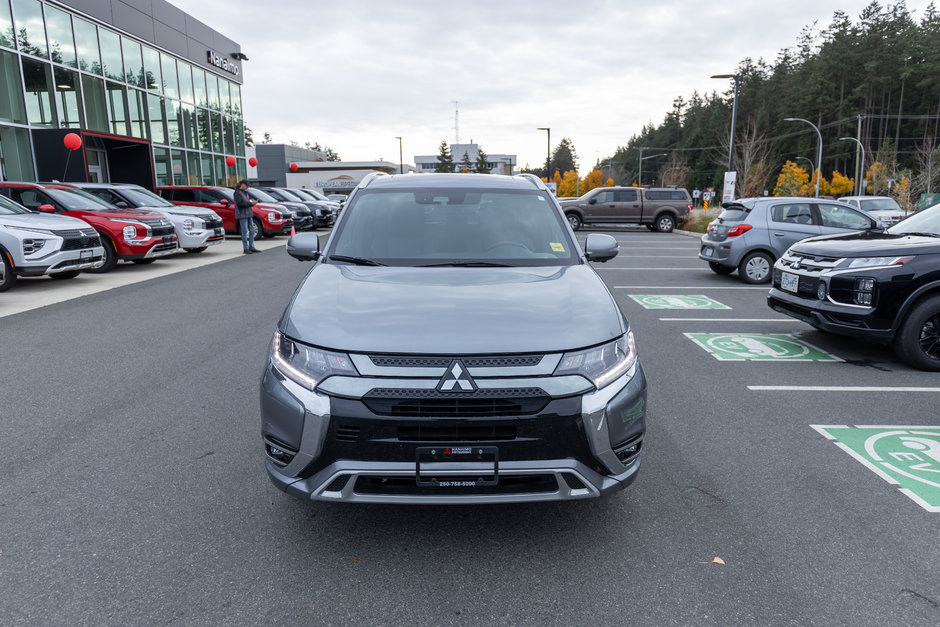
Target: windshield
(8,207)
(315,194)
(287,195)
(145,198)
(257,194)
(880,204)
(436,227)
(79,199)
(926,221)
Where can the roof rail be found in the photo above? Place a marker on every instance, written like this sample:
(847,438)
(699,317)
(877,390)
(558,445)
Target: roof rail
(368,178)
(539,183)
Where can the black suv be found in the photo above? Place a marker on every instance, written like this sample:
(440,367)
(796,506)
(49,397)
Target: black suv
(882,285)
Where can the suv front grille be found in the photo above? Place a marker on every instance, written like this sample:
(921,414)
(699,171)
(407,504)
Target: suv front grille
(159,227)
(443,362)
(211,222)
(456,433)
(78,239)
(434,404)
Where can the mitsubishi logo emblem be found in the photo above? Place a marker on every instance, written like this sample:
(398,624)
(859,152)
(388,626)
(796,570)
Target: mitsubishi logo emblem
(456,379)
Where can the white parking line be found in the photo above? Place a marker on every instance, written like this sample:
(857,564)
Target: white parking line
(837,388)
(729,320)
(683,269)
(653,256)
(696,287)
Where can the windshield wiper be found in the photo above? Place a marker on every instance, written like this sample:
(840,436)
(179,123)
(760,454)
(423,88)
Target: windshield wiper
(359,261)
(917,233)
(466,264)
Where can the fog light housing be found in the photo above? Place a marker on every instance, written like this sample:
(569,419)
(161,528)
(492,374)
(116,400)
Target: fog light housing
(277,452)
(821,291)
(628,451)
(864,293)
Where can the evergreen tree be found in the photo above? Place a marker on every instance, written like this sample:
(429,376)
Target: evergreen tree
(564,158)
(482,165)
(465,165)
(445,162)
(249,137)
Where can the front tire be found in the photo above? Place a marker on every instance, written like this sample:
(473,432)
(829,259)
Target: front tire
(7,275)
(918,339)
(143,262)
(665,223)
(110,256)
(71,274)
(574,220)
(257,229)
(717,268)
(756,268)
(196,251)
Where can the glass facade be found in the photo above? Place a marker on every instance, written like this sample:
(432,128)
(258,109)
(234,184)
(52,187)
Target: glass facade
(59,70)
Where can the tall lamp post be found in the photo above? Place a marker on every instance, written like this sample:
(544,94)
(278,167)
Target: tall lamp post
(818,152)
(861,166)
(807,160)
(734,115)
(639,176)
(401,158)
(548,158)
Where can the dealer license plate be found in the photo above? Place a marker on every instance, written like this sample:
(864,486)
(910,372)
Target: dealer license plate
(86,254)
(457,466)
(790,282)
(707,252)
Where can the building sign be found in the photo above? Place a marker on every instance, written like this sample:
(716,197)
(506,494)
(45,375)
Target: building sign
(223,63)
(727,193)
(905,456)
(343,181)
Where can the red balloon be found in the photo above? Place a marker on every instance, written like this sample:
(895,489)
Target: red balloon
(230,161)
(252,162)
(293,167)
(72,141)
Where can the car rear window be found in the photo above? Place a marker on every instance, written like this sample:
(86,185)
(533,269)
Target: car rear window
(666,195)
(880,204)
(734,213)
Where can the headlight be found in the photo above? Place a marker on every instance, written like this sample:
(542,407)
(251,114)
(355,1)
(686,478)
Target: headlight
(601,364)
(33,246)
(130,232)
(871,262)
(273,216)
(308,366)
(189,224)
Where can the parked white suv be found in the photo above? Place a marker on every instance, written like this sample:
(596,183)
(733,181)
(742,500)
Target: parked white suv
(33,244)
(882,208)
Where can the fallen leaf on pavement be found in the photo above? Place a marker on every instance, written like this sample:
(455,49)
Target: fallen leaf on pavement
(717,560)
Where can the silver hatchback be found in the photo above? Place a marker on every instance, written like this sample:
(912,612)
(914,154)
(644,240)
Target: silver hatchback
(752,233)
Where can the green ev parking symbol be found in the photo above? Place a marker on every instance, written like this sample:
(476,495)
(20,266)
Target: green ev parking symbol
(758,347)
(908,457)
(658,301)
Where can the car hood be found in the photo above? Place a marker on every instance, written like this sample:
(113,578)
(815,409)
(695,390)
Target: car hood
(132,214)
(452,310)
(867,244)
(43,221)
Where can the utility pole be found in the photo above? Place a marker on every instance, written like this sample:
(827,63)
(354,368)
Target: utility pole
(860,179)
(456,122)
(548,158)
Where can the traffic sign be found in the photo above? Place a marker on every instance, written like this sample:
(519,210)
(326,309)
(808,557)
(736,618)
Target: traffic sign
(905,456)
(658,301)
(759,347)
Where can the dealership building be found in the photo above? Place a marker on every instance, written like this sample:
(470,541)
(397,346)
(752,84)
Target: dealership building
(154,94)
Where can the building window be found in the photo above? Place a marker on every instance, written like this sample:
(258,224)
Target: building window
(174,134)
(171,87)
(37,78)
(192,167)
(204,131)
(188,120)
(16,156)
(117,98)
(225,97)
(12,107)
(205,161)
(155,109)
(96,111)
(30,27)
(152,68)
(69,97)
(236,100)
(86,42)
(137,113)
(133,62)
(161,165)
(186,82)
(199,85)
(6,25)
(212,87)
(179,167)
(239,137)
(229,135)
(111,60)
(61,42)
(217,145)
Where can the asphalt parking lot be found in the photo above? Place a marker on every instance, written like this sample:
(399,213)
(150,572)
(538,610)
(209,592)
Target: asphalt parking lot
(133,488)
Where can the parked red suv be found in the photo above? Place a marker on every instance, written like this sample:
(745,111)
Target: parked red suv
(269,220)
(129,234)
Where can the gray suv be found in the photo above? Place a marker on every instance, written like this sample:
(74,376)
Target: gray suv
(452,344)
(752,233)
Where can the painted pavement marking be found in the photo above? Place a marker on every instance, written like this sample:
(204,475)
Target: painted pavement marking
(905,456)
(759,347)
(728,319)
(694,287)
(661,301)
(838,388)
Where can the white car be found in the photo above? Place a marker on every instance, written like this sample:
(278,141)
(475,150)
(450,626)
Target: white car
(196,227)
(33,244)
(882,208)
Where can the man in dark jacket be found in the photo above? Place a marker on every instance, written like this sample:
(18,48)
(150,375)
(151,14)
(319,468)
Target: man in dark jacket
(244,215)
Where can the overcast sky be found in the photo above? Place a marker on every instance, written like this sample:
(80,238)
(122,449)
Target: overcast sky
(353,75)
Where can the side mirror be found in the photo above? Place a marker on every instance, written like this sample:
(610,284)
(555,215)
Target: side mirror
(593,200)
(600,247)
(305,246)
(224,201)
(122,204)
(878,226)
(46,208)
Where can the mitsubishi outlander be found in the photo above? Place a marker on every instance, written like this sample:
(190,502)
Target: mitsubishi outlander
(452,344)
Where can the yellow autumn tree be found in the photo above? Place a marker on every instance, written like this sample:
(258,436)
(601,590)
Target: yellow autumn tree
(610,182)
(594,179)
(902,192)
(809,189)
(791,180)
(569,184)
(841,185)
(876,179)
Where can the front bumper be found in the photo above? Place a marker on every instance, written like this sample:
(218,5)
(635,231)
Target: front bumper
(62,261)
(344,452)
(828,316)
(278,229)
(200,238)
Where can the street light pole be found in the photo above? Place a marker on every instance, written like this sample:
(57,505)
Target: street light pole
(807,160)
(639,178)
(548,158)
(401,159)
(734,116)
(861,165)
(818,152)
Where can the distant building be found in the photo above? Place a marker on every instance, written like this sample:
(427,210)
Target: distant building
(498,164)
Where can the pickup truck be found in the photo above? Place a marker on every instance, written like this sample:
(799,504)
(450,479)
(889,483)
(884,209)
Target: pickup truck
(658,208)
